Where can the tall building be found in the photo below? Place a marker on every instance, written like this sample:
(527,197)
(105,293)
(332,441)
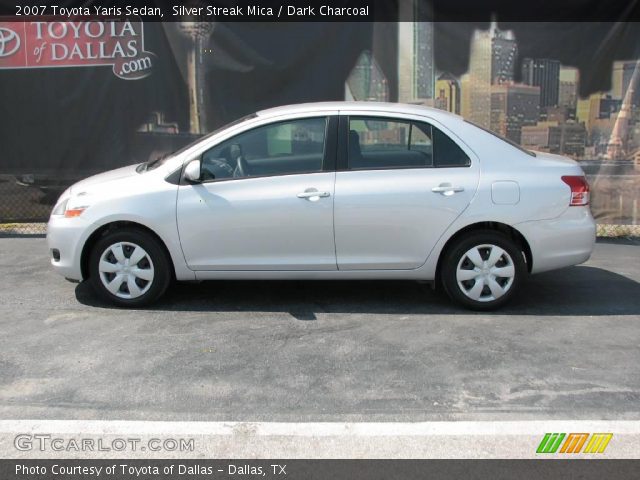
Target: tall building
(512,107)
(416,69)
(622,75)
(555,137)
(447,93)
(465,96)
(543,73)
(617,146)
(198,34)
(568,88)
(504,52)
(585,107)
(492,60)
(367,81)
(597,106)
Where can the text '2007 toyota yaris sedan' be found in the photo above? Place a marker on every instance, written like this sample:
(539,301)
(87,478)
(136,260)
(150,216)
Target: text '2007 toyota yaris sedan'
(341,190)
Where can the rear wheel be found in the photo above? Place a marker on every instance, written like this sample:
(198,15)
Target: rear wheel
(483,271)
(129,267)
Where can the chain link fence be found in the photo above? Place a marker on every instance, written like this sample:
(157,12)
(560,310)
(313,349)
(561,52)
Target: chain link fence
(26,202)
(24,205)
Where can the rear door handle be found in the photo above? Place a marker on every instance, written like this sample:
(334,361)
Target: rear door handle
(447,189)
(312,193)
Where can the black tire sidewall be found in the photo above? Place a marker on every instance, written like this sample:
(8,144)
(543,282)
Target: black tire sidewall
(161,266)
(464,244)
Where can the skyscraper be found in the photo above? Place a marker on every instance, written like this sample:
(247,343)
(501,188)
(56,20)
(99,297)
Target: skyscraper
(504,52)
(555,137)
(597,106)
(465,96)
(367,80)
(617,146)
(197,33)
(543,73)
(512,107)
(447,93)
(622,75)
(568,90)
(492,60)
(416,70)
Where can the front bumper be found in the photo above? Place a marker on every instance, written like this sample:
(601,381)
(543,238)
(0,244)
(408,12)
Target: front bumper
(562,241)
(66,236)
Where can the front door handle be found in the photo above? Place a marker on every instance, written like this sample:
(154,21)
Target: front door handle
(447,189)
(313,194)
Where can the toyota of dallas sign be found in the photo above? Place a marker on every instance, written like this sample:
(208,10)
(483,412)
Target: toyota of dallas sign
(115,43)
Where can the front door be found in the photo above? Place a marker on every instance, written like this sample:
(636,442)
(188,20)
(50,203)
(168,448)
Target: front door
(266,201)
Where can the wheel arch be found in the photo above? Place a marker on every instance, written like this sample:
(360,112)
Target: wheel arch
(110,227)
(503,228)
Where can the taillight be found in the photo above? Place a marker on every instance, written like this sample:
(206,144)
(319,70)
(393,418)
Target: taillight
(579,189)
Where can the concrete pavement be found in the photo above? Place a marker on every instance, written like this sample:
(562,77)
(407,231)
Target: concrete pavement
(568,348)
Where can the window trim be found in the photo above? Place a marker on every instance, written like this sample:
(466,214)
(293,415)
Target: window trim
(343,142)
(328,158)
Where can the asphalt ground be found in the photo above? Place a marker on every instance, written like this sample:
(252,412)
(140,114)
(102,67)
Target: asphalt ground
(567,348)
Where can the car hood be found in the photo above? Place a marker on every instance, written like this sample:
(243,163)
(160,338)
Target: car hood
(102,178)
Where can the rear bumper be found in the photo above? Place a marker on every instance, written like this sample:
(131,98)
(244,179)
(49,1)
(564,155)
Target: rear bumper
(66,235)
(562,241)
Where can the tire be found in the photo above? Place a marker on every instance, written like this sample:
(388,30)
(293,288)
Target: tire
(483,270)
(138,284)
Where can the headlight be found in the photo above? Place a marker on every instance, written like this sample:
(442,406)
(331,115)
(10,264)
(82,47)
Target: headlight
(60,208)
(71,206)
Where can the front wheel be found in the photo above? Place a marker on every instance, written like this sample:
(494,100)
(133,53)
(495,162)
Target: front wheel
(129,267)
(483,270)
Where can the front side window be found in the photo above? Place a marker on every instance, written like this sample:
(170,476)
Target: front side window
(378,143)
(283,148)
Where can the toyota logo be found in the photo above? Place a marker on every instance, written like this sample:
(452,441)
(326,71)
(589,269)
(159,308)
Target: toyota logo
(9,42)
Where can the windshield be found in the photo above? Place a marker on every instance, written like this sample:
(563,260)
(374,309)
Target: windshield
(504,139)
(160,160)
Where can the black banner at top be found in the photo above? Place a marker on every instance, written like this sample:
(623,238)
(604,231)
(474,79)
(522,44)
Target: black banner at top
(324,11)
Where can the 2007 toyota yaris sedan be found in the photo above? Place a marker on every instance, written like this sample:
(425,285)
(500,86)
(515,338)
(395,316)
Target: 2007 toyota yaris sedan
(329,191)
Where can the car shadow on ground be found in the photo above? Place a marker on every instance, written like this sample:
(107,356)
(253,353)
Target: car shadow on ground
(574,291)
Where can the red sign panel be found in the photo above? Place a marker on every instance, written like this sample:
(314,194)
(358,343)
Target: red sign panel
(36,44)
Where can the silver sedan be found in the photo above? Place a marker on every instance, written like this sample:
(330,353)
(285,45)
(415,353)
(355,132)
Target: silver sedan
(340,190)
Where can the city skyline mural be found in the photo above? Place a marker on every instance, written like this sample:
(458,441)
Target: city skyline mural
(568,89)
(539,106)
(534,101)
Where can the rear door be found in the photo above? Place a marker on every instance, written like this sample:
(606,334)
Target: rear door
(401,182)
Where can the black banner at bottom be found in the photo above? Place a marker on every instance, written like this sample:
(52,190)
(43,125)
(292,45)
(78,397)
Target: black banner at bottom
(317,469)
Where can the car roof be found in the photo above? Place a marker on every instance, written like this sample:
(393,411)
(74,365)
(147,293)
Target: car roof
(389,107)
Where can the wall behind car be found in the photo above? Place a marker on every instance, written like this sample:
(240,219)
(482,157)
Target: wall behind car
(78,108)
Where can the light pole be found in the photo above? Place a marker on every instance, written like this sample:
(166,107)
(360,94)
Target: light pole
(197,33)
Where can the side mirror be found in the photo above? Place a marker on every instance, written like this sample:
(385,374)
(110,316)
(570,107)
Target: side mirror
(192,171)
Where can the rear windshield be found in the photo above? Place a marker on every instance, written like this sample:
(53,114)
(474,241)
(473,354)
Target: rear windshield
(510,142)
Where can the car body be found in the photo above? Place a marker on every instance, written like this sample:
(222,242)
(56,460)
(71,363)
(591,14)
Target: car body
(336,190)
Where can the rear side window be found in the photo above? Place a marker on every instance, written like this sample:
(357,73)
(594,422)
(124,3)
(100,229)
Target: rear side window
(447,152)
(376,143)
(382,143)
